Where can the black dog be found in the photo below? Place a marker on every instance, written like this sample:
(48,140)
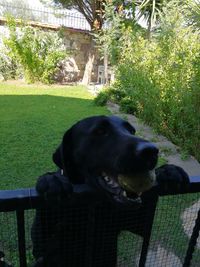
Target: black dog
(104,153)
(2,262)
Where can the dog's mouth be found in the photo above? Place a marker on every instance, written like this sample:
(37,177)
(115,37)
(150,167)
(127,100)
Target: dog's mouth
(127,188)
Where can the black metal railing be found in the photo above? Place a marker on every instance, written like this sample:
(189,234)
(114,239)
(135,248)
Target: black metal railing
(147,227)
(57,17)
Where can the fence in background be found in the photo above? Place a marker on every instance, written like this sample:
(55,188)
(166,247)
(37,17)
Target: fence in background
(57,17)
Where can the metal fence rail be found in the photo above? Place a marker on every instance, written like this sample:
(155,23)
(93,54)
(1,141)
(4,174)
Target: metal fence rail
(148,235)
(57,17)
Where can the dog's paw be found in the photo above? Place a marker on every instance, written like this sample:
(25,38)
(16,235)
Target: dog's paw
(53,183)
(171,179)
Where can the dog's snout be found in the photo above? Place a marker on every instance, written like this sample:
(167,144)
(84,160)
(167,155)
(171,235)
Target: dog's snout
(148,153)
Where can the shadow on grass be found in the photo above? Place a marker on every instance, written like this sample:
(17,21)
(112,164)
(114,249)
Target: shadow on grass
(31,127)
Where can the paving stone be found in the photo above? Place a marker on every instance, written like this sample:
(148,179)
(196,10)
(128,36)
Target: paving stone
(166,147)
(188,219)
(161,257)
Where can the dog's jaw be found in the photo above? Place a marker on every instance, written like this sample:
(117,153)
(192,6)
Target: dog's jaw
(116,186)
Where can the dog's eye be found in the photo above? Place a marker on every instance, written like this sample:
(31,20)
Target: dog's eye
(130,128)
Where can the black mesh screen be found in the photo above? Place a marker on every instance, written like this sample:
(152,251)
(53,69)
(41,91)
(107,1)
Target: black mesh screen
(88,235)
(104,235)
(129,249)
(29,218)
(8,237)
(173,224)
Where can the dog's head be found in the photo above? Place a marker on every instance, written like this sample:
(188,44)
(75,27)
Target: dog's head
(104,151)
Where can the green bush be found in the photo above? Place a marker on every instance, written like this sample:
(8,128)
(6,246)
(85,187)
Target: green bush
(102,98)
(37,51)
(127,105)
(160,79)
(8,67)
(106,94)
(116,94)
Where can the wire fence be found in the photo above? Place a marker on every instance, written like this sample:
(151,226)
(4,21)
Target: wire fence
(86,230)
(57,17)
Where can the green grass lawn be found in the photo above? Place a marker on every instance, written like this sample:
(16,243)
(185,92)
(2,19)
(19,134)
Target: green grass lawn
(32,122)
(33,119)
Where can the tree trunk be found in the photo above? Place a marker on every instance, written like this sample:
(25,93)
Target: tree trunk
(89,66)
(105,66)
(149,30)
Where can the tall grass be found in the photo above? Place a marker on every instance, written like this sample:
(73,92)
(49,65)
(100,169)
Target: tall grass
(159,80)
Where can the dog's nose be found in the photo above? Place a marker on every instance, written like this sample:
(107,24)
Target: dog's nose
(148,153)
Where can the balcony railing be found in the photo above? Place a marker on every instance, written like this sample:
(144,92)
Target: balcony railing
(57,17)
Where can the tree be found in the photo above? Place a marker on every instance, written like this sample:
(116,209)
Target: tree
(93,11)
(150,10)
(107,38)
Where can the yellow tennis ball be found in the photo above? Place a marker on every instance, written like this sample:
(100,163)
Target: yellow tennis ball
(138,182)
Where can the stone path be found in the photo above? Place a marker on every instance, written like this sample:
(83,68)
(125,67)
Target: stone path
(162,258)
(188,218)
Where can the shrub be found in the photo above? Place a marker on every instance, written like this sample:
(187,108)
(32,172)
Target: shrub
(37,51)
(160,79)
(116,94)
(106,94)
(8,68)
(102,98)
(127,105)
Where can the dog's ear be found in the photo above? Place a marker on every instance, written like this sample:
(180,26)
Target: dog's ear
(63,154)
(57,158)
